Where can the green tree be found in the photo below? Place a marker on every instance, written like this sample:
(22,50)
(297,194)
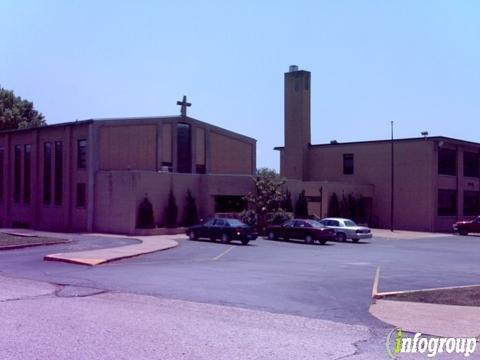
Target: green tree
(191,212)
(145,218)
(287,202)
(17,113)
(268,195)
(301,206)
(171,211)
(334,206)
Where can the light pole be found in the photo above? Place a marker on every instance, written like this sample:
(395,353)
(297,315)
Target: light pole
(392,179)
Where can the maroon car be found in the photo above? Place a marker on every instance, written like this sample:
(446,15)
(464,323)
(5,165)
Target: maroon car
(465,227)
(310,231)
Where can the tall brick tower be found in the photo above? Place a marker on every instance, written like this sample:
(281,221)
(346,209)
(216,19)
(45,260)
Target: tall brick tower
(297,124)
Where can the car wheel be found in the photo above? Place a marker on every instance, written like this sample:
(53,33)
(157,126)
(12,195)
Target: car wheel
(308,239)
(271,236)
(245,241)
(286,238)
(463,232)
(322,242)
(225,238)
(212,238)
(192,235)
(355,240)
(341,237)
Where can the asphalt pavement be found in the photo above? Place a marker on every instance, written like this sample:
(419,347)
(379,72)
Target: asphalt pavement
(328,283)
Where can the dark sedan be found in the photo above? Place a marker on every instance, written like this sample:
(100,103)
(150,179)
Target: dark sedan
(310,231)
(225,229)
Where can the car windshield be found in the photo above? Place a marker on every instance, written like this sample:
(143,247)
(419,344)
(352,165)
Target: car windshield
(235,222)
(315,223)
(349,223)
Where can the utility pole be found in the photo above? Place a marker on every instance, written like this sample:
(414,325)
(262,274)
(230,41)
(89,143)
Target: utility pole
(392,179)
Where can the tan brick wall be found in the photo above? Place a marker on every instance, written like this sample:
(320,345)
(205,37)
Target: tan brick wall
(414,178)
(128,147)
(229,155)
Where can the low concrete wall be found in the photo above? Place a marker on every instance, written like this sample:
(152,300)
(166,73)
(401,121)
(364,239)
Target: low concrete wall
(119,193)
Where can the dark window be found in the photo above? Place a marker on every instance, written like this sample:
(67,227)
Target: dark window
(82,154)
(81,195)
(200,169)
(1,173)
(348,164)
(17,173)
(471,164)
(27,166)
(184,148)
(58,182)
(229,203)
(447,202)
(471,203)
(447,162)
(47,172)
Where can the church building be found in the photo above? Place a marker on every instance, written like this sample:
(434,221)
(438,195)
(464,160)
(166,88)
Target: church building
(435,179)
(92,175)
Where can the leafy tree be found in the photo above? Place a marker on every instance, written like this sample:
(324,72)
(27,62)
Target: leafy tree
(334,206)
(191,212)
(17,113)
(171,211)
(268,196)
(145,218)
(301,206)
(353,205)
(287,202)
(344,209)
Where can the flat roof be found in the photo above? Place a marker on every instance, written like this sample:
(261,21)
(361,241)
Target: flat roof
(430,138)
(133,118)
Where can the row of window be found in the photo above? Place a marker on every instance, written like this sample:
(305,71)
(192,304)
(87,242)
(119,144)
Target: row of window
(447,163)
(447,203)
(48,163)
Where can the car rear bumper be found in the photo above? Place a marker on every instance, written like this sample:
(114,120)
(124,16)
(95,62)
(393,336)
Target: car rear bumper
(362,236)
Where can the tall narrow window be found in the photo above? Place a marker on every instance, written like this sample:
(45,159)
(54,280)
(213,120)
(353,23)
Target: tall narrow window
(184,148)
(17,173)
(58,172)
(471,164)
(27,165)
(447,161)
(347,164)
(1,173)
(81,195)
(82,154)
(447,202)
(47,173)
(471,203)
(200,167)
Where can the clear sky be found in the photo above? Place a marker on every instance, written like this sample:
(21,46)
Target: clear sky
(414,62)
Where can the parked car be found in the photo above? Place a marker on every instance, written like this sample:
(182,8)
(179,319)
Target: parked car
(225,229)
(310,231)
(465,227)
(347,229)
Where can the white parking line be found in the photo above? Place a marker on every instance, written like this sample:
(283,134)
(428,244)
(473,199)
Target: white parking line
(223,253)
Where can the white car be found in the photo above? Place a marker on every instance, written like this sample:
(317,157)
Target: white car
(347,229)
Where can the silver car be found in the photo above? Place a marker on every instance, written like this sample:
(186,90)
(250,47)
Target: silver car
(347,229)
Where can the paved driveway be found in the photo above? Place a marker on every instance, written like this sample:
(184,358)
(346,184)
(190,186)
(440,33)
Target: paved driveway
(331,282)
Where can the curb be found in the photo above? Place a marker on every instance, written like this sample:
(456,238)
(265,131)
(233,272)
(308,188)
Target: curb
(14,247)
(98,261)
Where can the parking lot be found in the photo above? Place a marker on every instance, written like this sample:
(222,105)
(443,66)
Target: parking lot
(331,282)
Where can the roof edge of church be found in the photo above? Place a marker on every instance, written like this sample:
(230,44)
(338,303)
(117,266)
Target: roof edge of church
(431,138)
(131,118)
